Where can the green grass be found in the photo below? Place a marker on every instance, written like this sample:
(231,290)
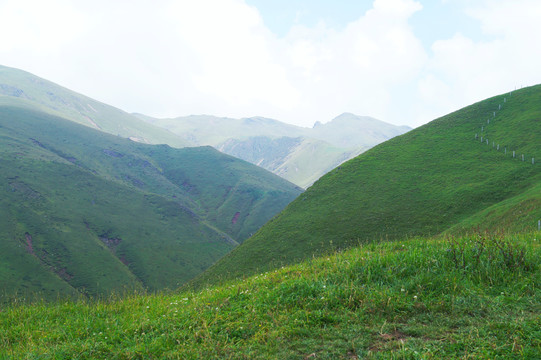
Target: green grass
(474,296)
(432,179)
(105,213)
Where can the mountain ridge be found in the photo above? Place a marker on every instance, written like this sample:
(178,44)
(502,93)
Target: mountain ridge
(60,101)
(300,155)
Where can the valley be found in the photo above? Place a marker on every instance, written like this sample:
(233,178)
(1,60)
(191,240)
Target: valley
(119,244)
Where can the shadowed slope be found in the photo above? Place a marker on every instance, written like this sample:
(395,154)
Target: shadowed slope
(87,212)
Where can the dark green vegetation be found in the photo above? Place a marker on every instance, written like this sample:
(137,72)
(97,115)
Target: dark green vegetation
(457,298)
(300,155)
(20,86)
(84,212)
(436,178)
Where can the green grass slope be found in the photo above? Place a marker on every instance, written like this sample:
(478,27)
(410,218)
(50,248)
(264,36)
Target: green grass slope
(458,298)
(421,183)
(86,212)
(20,85)
(235,196)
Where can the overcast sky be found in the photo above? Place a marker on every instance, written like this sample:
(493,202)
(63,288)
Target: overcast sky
(298,61)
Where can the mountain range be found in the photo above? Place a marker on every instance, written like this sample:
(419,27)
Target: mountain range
(130,205)
(425,246)
(300,155)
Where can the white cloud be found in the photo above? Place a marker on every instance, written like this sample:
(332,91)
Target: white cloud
(464,71)
(180,57)
(38,25)
(235,53)
(354,69)
(168,58)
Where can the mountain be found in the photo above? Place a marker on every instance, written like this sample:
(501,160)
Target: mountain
(319,150)
(349,131)
(19,85)
(300,160)
(454,174)
(85,212)
(213,130)
(300,155)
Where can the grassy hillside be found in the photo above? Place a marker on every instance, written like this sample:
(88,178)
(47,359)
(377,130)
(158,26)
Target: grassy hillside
(17,85)
(86,212)
(434,178)
(417,299)
(300,155)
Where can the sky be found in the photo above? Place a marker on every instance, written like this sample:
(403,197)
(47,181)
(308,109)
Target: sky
(405,62)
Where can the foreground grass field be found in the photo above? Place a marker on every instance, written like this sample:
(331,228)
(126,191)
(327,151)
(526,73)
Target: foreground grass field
(475,296)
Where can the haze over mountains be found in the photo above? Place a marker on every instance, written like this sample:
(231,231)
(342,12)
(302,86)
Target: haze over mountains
(300,155)
(57,100)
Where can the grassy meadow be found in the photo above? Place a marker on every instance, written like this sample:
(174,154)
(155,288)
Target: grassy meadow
(475,296)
